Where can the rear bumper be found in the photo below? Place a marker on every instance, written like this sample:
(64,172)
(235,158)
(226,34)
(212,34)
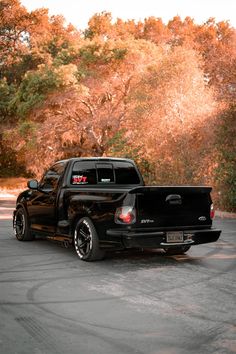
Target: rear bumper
(158,239)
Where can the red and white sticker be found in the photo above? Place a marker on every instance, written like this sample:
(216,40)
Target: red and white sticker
(79,179)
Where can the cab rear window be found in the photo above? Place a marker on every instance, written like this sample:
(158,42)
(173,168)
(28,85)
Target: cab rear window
(92,173)
(105,173)
(126,173)
(84,173)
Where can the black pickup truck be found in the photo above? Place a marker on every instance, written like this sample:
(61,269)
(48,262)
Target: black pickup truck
(101,204)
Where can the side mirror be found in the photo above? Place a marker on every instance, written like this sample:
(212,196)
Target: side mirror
(33,184)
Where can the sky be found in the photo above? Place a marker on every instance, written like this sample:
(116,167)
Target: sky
(78,12)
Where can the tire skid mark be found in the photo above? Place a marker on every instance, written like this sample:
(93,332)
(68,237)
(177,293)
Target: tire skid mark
(39,264)
(76,262)
(217,249)
(37,332)
(82,328)
(76,276)
(27,254)
(54,314)
(223,290)
(197,282)
(189,284)
(159,297)
(77,322)
(33,264)
(76,326)
(214,274)
(83,325)
(32,270)
(209,336)
(164,337)
(31,298)
(220,322)
(99,274)
(13,303)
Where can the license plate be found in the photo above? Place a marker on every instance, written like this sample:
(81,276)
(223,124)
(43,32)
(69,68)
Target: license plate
(175,236)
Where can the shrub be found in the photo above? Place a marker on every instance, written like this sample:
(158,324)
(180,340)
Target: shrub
(33,89)
(226,170)
(6,95)
(119,146)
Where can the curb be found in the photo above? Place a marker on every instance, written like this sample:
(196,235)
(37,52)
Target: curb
(6,196)
(225,214)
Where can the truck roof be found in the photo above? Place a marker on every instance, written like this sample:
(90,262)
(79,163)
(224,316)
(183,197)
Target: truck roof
(96,159)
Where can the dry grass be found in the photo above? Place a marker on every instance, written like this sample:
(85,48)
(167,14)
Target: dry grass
(13,185)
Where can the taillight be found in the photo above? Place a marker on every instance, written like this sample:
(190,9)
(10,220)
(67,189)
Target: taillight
(212,212)
(125,215)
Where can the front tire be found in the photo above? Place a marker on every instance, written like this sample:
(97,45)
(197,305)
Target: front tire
(21,226)
(86,241)
(176,250)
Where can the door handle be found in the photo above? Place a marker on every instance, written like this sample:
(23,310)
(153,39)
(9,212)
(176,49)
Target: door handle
(174,199)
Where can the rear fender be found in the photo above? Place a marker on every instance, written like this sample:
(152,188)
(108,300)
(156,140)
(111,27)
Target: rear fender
(75,214)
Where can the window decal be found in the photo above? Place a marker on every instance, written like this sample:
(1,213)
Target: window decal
(79,179)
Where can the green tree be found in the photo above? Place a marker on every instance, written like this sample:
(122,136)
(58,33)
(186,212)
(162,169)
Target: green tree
(33,90)
(226,152)
(7,92)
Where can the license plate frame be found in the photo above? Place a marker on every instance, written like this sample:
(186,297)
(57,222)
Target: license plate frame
(175,237)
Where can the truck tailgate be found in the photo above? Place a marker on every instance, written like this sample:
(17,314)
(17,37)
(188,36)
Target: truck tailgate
(172,206)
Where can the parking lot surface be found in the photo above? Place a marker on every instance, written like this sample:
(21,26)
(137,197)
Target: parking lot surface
(132,302)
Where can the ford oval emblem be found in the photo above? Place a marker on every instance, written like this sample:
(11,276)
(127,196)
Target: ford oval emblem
(202,218)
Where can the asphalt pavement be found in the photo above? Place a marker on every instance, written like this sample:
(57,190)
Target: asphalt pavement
(132,302)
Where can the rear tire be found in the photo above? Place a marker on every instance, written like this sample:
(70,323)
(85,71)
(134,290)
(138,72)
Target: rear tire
(86,241)
(21,226)
(176,250)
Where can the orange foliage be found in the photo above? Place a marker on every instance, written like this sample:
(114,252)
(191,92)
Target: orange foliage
(164,86)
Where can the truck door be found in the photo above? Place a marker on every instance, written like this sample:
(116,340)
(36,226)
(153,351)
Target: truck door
(42,207)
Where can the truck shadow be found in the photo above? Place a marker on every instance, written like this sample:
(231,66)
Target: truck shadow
(149,256)
(133,258)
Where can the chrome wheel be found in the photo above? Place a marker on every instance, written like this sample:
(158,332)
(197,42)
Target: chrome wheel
(83,239)
(19,224)
(86,241)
